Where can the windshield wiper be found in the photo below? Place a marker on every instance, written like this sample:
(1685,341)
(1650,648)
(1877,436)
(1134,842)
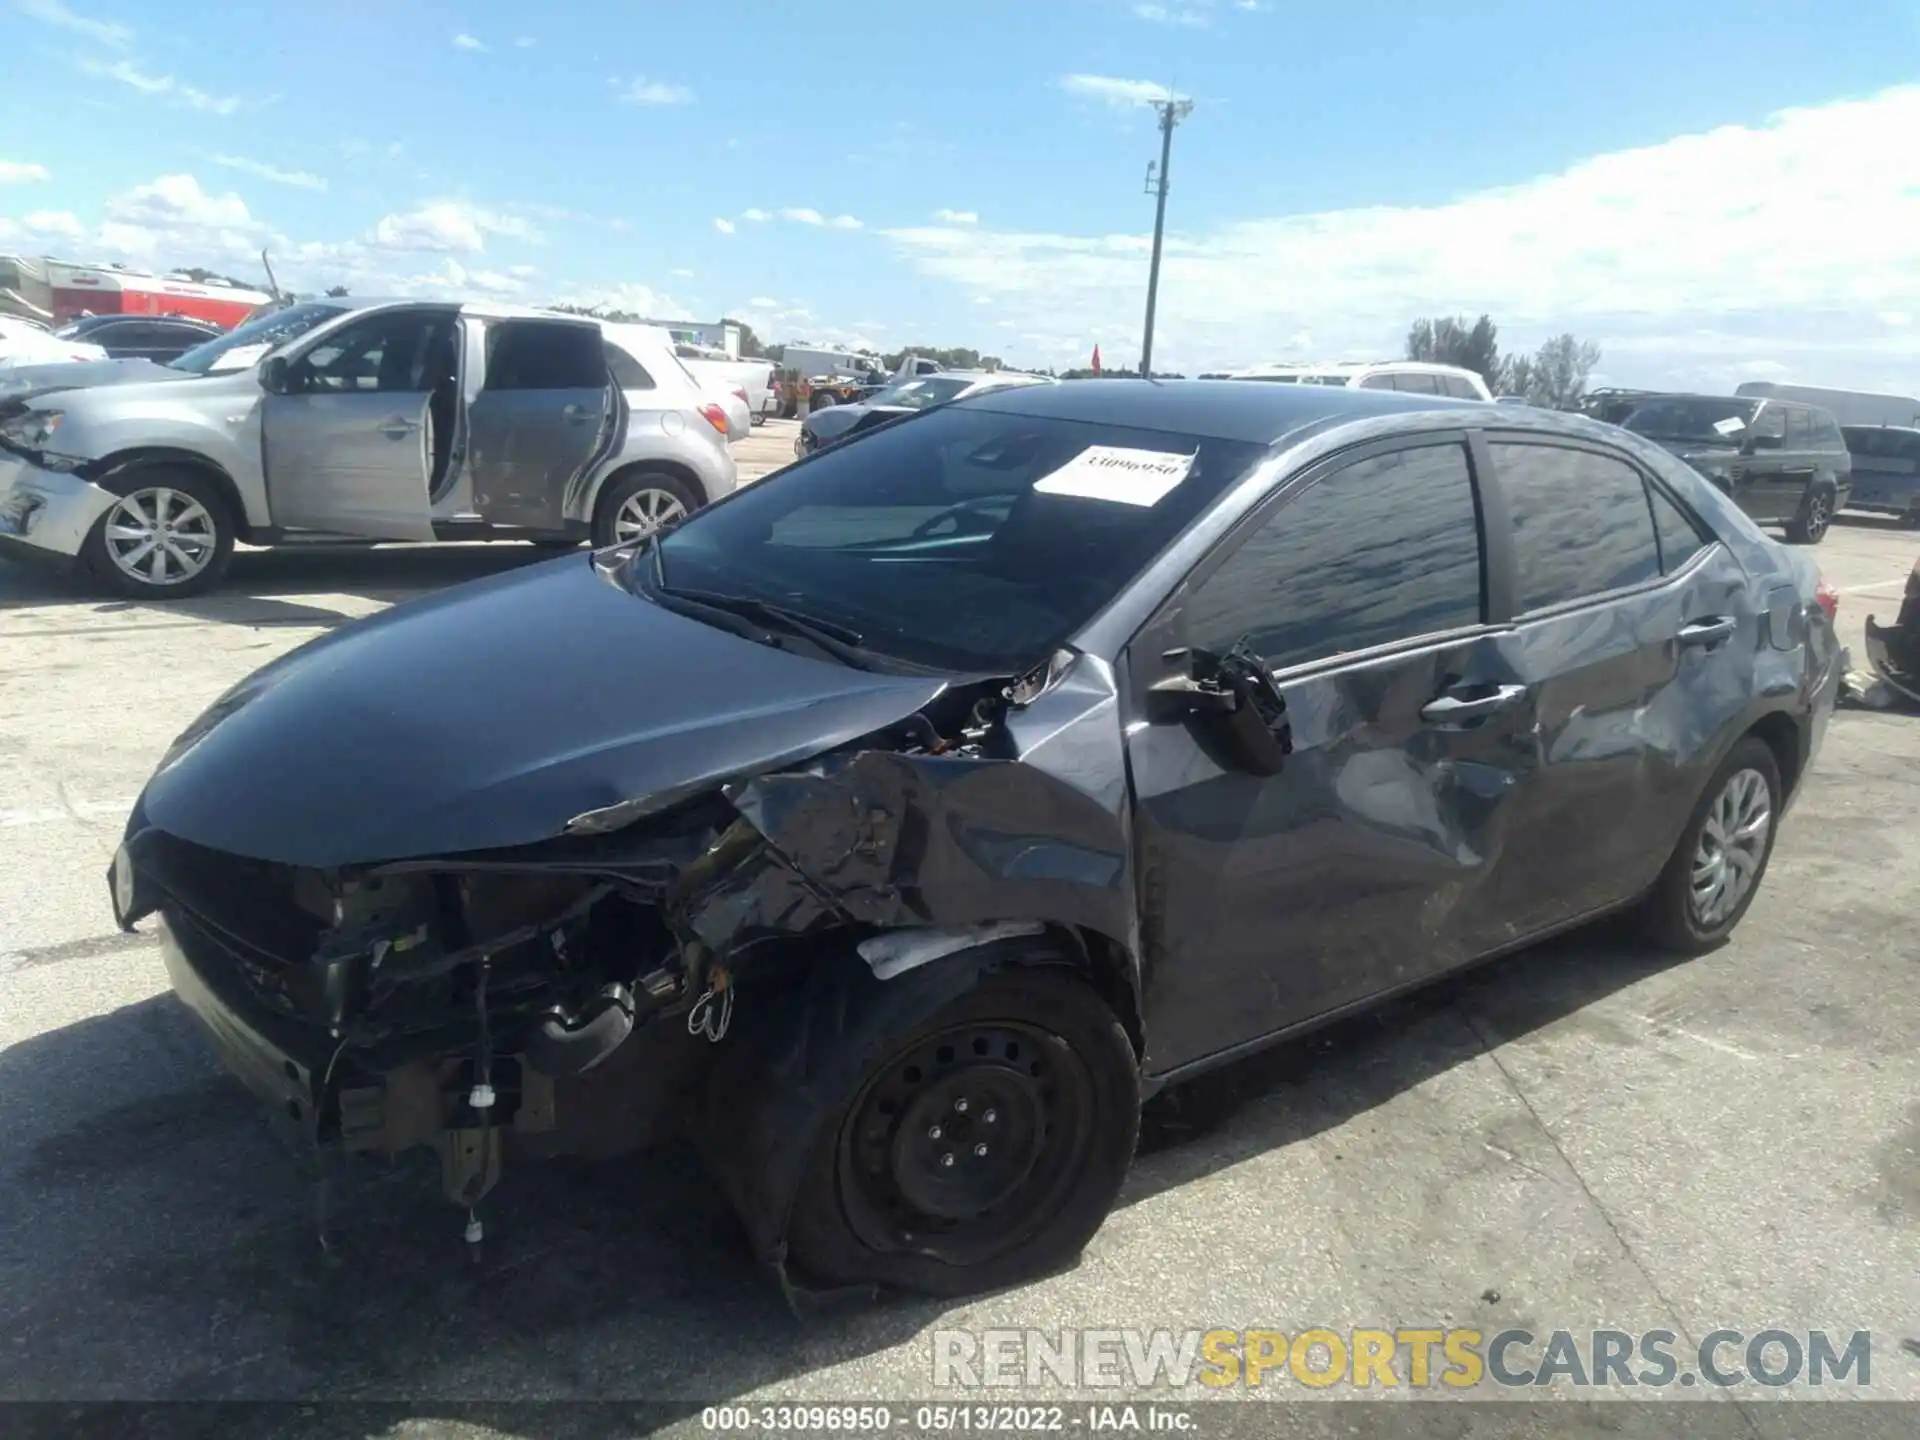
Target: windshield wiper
(844,644)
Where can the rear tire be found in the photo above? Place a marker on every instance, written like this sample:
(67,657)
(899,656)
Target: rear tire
(170,536)
(821,402)
(639,502)
(1716,869)
(1810,526)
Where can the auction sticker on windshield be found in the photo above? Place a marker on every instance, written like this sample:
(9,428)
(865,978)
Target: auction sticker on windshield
(1112,472)
(1729,425)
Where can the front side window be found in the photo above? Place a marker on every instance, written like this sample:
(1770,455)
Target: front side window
(389,351)
(1384,550)
(963,539)
(1581,523)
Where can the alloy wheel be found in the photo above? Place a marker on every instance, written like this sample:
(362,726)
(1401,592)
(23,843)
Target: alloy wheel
(644,512)
(160,536)
(1819,515)
(1731,847)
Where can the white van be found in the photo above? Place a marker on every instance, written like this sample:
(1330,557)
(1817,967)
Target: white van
(1849,407)
(1418,377)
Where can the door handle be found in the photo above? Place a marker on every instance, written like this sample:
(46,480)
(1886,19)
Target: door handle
(1710,631)
(398,425)
(578,414)
(1450,709)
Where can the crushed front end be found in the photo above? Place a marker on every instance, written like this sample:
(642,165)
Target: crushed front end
(1894,650)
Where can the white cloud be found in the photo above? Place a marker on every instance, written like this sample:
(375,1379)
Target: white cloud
(172,220)
(724,225)
(52,12)
(803,216)
(845,222)
(447,226)
(524,42)
(299,179)
(756,215)
(458,279)
(957,217)
(761,302)
(468,42)
(635,299)
(683,274)
(1785,241)
(130,74)
(1177,13)
(1121,94)
(44,227)
(642,91)
(19,172)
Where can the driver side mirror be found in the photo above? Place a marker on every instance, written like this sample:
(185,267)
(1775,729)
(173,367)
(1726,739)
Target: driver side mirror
(275,374)
(1237,713)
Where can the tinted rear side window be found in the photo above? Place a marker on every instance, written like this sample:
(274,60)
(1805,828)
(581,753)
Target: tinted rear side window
(1581,523)
(1459,387)
(628,373)
(538,355)
(1386,549)
(1680,539)
(1415,384)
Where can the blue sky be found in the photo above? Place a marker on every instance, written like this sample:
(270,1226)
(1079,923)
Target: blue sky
(973,174)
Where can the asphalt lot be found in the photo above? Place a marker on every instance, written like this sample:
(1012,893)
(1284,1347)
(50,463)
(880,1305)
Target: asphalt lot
(1581,1136)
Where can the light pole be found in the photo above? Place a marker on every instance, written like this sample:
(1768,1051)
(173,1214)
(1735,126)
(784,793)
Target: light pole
(1172,111)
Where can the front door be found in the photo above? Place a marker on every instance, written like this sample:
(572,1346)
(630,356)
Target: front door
(542,416)
(1765,492)
(348,448)
(1369,862)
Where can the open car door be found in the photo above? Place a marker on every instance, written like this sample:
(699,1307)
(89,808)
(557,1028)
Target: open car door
(545,412)
(346,429)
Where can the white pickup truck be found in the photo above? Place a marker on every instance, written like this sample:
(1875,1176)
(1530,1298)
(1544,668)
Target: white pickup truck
(717,370)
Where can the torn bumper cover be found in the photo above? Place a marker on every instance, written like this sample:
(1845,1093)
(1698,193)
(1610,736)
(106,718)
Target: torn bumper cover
(46,515)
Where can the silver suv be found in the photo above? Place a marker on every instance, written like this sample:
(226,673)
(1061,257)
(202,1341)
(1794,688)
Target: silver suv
(381,420)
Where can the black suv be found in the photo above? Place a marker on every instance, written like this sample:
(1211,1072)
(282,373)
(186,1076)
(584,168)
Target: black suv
(1886,470)
(1783,463)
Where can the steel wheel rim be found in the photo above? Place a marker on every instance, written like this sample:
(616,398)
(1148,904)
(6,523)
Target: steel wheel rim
(1731,847)
(160,536)
(644,512)
(966,1141)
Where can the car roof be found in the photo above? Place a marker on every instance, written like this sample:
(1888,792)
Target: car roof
(1219,409)
(1354,367)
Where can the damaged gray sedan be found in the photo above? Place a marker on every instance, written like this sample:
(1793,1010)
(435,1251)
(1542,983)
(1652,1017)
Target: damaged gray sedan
(896,825)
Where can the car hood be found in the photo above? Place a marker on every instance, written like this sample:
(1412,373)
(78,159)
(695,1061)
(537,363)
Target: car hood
(492,715)
(20,382)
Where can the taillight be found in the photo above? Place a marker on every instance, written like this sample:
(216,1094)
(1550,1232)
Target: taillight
(716,417)
(1827,598)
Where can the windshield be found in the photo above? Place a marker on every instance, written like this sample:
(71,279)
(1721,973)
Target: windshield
(1704,419)
(956,540)
(922,391)
(248,343)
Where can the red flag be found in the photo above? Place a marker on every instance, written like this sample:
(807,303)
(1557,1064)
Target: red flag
(1096,359)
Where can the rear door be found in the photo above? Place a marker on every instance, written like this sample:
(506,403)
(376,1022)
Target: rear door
(1762,488)
(545,411)
(346,445)
(1369,861)
(1625,633)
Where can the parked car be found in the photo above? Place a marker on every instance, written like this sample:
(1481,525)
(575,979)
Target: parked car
(896,824)
(723,374)
(389,420)
(29,343)
(1413,377)
(241,348)
(1783,463)
(903,397)
(159,338)
(1886,470)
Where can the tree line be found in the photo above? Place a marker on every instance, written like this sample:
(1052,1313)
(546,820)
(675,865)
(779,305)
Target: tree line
(1553,377)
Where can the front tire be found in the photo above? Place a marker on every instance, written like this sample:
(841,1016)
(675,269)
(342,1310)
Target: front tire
(169,536)
(1716,869)
(821,401)
(965,1130)
(1810,526)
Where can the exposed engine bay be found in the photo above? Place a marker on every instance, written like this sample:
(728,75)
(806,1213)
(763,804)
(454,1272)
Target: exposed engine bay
(563,997)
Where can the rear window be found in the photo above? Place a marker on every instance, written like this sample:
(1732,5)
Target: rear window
(963,538)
